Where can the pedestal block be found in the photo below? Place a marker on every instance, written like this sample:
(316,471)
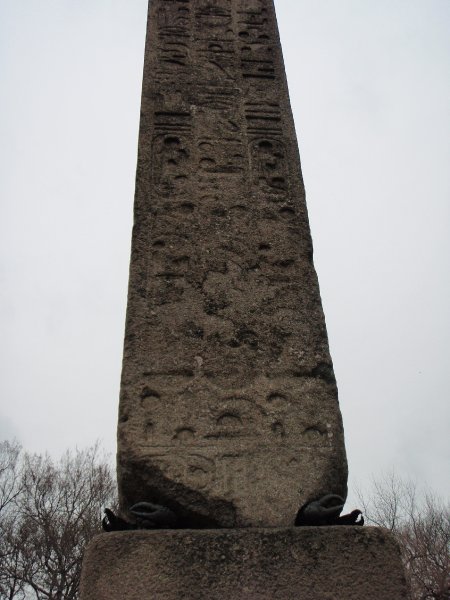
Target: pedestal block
(312,563)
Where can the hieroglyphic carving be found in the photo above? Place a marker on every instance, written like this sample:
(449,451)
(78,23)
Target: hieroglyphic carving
(215,17)
(207,445)
(262,114)
(215,42)
(173,17)
(220,148)
(173,28)
(248,414)
(224,158)
(222,290)
(170,169)
(171,142)
(269,166)
(263,118)
(218,98)
(220,145)
(218,57)
(192,468)
(256,40)
(171,151)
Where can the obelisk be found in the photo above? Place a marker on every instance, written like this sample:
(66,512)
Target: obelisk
(229,414)
(229,411)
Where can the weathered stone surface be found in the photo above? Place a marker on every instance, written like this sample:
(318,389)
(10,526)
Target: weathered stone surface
(336,563)
(229,411)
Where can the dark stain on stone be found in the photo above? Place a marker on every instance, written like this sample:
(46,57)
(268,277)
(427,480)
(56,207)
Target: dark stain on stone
(325,371)
(219,212)
(285,263)
(278,429)
(247,337)
(187,207)
(124,418)
(181,260)
(193,330)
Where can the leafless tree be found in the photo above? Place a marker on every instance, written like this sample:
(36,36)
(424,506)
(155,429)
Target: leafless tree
(54,515)
(11,486)
(421,524)
(10,480)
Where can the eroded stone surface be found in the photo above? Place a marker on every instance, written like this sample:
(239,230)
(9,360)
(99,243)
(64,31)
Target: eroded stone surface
(229,410)
(312,563)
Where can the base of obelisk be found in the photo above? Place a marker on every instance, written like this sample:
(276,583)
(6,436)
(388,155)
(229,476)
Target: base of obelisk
(311,563)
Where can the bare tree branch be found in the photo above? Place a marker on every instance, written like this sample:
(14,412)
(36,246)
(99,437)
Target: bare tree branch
(55,510)
(421,524)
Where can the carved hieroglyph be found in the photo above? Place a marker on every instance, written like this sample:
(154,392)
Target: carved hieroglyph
(229,412)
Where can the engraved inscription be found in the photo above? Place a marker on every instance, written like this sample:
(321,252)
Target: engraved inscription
(170,169)
(263,118)
(173,54)
(173,18)
(237,417)
(269,165)
(225,412)
(150,399)
(185,435)
(173,27)
(278,400)
(214,15)
(257,60)
(194,470)
(217,60)
(217,98)
(224,158)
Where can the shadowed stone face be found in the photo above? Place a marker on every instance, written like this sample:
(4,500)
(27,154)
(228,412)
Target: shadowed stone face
(229,412)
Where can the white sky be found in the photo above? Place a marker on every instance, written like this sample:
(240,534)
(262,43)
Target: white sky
(369,84)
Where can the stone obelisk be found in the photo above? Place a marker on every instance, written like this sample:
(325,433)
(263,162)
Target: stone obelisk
(229,412)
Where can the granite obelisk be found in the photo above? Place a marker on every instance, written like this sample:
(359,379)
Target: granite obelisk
(229,412)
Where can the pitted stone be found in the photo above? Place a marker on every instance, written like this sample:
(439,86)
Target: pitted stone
(229,412)
(326,563)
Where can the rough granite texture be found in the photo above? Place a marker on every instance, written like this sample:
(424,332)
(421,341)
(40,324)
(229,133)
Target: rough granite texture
(229,409)
(327,563)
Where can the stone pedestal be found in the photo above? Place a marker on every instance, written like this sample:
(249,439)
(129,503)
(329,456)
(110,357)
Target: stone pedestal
(326,563)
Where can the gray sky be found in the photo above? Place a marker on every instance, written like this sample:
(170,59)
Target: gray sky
(369,84)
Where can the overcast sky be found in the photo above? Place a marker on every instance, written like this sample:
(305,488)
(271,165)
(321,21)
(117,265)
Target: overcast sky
(369,85)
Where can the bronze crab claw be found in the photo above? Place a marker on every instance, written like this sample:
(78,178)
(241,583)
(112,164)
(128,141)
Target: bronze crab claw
(326,511)
(153,516)
(146,515)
